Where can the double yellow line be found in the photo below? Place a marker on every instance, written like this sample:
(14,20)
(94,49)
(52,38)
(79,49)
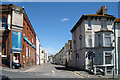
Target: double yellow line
(78,74)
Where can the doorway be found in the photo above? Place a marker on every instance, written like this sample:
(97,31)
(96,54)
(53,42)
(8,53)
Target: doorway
(90,56)
(16,57)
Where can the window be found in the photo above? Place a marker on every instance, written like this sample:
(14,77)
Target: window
(29,52)
(103,24)
(89,24)
(4,23)
(32,40)
(108,58)
(99,40)
(107,40)
(89,40)
(26,52)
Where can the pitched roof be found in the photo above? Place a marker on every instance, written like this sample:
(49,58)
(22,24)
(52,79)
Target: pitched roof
(117,19)
(106,15)
(90,15)
(102,12)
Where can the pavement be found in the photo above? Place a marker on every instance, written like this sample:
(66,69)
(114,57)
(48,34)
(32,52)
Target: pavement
(85,74)
(26,69)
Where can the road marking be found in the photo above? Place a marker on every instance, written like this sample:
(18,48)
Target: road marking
(78,74)
(46,74)
(53,72)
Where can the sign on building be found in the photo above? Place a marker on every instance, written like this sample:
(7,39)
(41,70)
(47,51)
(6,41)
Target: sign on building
(16,41)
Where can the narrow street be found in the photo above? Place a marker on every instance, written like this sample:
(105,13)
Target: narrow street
(46,70)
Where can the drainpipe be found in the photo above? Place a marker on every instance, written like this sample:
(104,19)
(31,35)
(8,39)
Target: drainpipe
(114,53)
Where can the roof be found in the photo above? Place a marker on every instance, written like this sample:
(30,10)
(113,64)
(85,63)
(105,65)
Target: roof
(90,15)
(96,15)
(117,19)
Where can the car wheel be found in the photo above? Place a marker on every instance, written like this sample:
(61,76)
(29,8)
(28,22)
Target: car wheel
(13,67)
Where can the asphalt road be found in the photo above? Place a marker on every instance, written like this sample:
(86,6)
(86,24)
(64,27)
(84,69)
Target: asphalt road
(46,70)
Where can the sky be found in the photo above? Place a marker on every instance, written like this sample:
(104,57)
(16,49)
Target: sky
(52,21)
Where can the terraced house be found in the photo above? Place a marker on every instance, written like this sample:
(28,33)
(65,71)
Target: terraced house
(18,37)
(63,57)
(117,45)
(93,44)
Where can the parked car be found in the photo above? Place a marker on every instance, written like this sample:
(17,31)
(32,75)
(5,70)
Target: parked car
(15,65)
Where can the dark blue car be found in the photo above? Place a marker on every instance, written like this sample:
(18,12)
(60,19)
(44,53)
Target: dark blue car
(15,65)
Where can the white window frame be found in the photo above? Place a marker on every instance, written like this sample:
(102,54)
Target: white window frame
(104,58)
(88,40)
(26,52)
(103,24)
(105,41)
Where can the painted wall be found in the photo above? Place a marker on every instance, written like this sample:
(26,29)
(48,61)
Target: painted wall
(37,50)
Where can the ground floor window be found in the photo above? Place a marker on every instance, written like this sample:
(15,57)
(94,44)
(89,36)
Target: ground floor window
(108,58)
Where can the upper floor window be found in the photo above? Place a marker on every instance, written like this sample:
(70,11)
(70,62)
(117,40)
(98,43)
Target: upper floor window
(107,40)
(89,24)
(99,39)
(89,40)
(26,52)
(103,24)
(4,23)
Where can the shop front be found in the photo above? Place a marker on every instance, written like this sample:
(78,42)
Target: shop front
(16,48)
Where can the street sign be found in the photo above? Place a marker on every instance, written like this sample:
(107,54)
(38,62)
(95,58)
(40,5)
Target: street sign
(11,51)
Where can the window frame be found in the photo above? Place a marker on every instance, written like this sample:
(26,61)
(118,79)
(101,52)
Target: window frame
(89,38)
(103,24)
(105,57)
(107,41)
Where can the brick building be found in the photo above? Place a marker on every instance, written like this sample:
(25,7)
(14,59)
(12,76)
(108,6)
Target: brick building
(18,38)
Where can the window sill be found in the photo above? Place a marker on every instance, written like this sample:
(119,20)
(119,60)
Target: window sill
(89,29)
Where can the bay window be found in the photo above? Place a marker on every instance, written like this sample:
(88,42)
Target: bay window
(107,40)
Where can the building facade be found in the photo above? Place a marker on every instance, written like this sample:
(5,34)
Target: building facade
(117,44)
(38,50)
(63,57)
(18,37)
(42,57)
(45,57)
(93,42)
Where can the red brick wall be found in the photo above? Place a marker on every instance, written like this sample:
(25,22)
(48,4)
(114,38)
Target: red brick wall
(28,34)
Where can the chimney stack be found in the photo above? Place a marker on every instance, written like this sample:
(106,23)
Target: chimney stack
(102,11)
